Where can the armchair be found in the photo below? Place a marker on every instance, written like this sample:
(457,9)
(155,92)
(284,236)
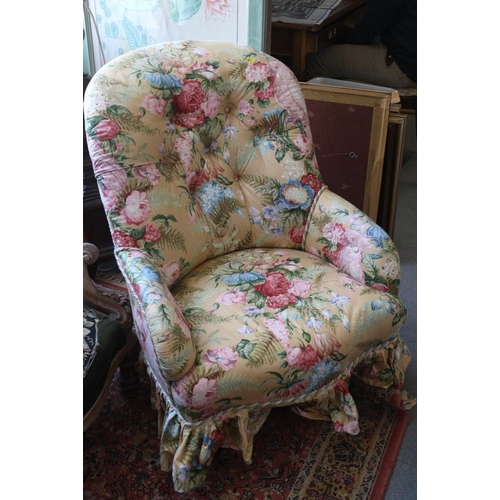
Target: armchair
(252,286)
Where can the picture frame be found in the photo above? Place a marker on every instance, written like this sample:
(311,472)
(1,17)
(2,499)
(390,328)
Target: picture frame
(349,129)
(393,160)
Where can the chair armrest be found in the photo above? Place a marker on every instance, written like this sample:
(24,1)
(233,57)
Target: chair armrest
(161,325)
(347,238)
(94,297)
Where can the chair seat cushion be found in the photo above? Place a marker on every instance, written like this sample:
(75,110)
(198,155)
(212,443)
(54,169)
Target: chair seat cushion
(274,325)
(103,338)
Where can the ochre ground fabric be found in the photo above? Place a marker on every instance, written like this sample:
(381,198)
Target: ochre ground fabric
(252,286)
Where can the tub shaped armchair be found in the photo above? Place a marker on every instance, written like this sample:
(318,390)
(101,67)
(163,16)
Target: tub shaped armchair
(252,285)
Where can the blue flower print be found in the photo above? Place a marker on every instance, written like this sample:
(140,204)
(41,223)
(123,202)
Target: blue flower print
(275,230)
(150,274)
(378,234)
(272,212)
(245,330)
(162,81)
(240,278)
(314,323)
(322,373)
(229,131)
(296,195)
(339,300)
(251,310)
(211,193)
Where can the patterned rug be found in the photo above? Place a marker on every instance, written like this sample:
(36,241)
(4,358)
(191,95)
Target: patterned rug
(294,458)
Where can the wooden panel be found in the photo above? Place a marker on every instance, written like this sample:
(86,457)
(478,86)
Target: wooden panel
(393,160)
(349,129)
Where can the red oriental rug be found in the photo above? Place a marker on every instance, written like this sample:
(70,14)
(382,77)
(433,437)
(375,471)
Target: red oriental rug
(294,458)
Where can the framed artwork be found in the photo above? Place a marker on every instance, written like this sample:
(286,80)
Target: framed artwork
(349,129)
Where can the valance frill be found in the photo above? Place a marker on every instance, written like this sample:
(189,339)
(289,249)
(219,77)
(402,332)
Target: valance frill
(187,449)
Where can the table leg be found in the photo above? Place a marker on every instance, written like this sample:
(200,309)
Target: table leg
(299,54)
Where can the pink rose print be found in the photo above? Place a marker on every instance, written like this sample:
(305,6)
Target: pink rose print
(245,107)
(151,233)
(172,271)
(278,329)
(314,251)
(301,288)
(267,92)
(326,344)
(256,72)
(296,234)
(190,98)
(204,392)
(122,239)
(312,181)
(107,130)
(290,100)
(200,51)
(209,72)
(194,179)
(184,146)
(348,259)
(137,290)
(149,172)
(232,298)
(155,105)
(348,253)
(380,286)
(276,284)
(190,120)
(116,180)
(212,104)
(303,359)
(224,357)
(180,394)
(279,301)
(137,208)
(349,427)
(341,386)
(334,231)
(109,199)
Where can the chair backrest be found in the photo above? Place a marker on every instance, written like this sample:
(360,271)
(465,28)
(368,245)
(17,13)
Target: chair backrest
(200,148)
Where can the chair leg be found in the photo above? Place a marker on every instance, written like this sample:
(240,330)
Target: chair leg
(127,375)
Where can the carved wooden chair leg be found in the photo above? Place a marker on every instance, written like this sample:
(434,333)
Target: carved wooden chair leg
(128,376)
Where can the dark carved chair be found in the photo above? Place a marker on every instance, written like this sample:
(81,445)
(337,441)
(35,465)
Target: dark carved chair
(108,343)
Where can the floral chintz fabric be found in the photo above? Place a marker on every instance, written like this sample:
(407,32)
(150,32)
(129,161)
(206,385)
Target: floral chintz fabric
(251,284)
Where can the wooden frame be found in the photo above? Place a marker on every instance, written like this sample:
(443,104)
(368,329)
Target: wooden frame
(349,129)
(125,359)
(393,161)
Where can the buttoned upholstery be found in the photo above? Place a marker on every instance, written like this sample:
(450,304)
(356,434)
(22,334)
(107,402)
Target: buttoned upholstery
(252,285)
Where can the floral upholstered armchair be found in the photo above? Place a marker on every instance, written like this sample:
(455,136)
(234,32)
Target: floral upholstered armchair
(252,285)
